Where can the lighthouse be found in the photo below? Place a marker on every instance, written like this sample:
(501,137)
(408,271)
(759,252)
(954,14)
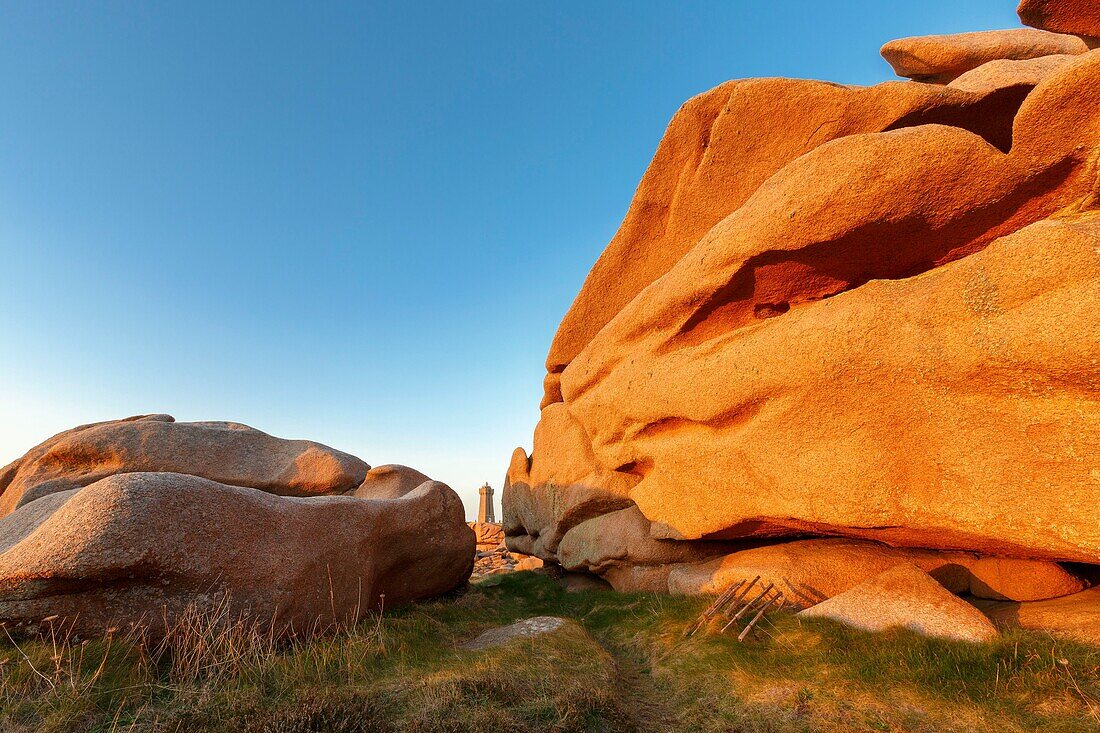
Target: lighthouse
(485,511)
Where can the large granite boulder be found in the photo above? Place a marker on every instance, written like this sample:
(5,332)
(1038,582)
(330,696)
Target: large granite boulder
(940,59)
(858,415)
(794,365)
(139,549)
(225,452)
(131,523)
(841,311)
(391,481)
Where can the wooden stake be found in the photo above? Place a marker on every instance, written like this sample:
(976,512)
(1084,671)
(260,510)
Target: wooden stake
(753,602)
(745,592)
(745,609)
(714,608)
(759,614)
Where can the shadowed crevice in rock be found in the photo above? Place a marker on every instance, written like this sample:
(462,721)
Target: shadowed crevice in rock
(990,118)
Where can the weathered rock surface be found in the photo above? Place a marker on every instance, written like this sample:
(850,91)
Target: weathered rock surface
(939,59)
(1081,17)
(391,481)
(997,75)
(229,453)
(17,525)
(528,563)
(489,534)
(1076,616)
(696,381)
(855,392)
(1010,579)
(561,486)
(605,544)
(905,596)
(867,321)
(811,571)
(140,548)
(719,149)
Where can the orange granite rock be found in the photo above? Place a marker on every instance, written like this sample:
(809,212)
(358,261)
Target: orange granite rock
(906,597)
(718,150)
(996,75)
(1080,17)
(561,486)
(871,321)
(391,481)
(939,59)
(794,364)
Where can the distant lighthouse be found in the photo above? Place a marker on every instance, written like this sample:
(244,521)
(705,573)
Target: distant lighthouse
(485,512)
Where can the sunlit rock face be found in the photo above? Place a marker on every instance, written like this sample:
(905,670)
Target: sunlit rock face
(131,524)
(226,452)
(944,58)
(907,597)
(1080,17)
(868,313)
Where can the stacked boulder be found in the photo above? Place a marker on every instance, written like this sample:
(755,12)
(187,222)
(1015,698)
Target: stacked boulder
(490,535)
(132,523)
(493,556)
(836,311)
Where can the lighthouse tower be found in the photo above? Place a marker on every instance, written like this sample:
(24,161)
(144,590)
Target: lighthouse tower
(485,511)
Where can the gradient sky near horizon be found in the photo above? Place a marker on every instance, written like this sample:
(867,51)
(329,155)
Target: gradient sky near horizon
(356,223)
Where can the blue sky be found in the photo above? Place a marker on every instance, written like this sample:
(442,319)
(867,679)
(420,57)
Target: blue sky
(357,223)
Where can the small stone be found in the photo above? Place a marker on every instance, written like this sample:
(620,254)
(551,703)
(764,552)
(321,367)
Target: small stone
(526,629)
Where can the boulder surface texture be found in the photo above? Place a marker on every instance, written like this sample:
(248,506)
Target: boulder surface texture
(226,452)
(1080,17)
(810,571)
(115,544)
(943,58)
(835,311)
(1076,616)
(906,597)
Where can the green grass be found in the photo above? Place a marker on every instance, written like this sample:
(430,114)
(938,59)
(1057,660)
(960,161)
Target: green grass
(622,667)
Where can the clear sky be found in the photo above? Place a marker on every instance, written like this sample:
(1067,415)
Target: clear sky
(357,223)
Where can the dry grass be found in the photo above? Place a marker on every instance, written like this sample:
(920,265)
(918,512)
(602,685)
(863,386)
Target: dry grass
(624,668)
